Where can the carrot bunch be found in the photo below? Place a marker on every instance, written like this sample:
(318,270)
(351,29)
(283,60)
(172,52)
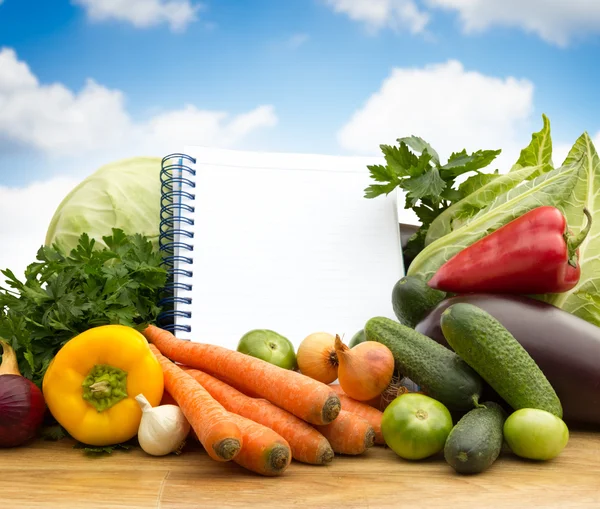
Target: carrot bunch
(261,416)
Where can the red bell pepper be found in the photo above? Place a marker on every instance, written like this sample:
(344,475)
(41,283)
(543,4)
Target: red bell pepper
(532,254)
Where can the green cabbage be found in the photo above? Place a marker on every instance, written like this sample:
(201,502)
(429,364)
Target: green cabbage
(124,194)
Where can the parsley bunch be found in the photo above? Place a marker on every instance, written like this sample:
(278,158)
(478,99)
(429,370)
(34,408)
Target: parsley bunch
(64,295)
(427,183)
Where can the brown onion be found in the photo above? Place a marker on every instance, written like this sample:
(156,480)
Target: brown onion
(365,370)
(22,405)
(317,358)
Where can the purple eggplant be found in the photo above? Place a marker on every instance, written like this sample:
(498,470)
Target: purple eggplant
(564,346)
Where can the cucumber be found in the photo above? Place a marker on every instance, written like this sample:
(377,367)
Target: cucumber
(476,440)
(492,351)
(359,337)
(439,372)
(413,299)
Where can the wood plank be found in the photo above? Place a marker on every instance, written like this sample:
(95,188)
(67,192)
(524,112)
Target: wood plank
(53,474)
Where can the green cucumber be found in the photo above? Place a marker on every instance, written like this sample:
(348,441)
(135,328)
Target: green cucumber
(439,372)
(492,351)
(358,338)
(476,440)
(413,299)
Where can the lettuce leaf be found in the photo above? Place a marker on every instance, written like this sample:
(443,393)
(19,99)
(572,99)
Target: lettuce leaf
(584,299)
(461,212)
(551,188)
(539,151)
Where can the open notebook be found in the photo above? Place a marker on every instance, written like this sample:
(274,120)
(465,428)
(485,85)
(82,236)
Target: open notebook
(276,241)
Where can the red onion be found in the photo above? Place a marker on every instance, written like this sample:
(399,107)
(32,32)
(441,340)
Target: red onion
(22,405)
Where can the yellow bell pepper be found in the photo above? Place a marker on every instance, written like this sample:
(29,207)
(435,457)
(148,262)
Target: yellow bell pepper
(91,384)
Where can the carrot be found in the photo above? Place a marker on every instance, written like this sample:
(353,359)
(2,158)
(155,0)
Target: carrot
(307,444)
(366,411)
(264,451)
(349,433)
(300,395)
(213,425)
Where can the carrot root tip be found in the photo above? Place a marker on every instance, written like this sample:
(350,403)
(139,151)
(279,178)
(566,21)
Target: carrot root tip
(331,409)
(228,448)
(326,456)
(279,458)
(370,438)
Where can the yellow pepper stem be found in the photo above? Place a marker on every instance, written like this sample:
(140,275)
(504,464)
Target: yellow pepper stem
(105,386)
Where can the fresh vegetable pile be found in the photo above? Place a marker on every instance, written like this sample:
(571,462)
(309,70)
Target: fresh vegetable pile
(494,346)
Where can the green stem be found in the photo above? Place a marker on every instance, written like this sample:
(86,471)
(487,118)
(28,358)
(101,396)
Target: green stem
(573,243)
(105,386)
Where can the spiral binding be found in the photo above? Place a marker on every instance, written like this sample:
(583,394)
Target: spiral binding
(177,183)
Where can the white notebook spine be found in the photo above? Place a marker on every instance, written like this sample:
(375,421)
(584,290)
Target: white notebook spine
(176,240)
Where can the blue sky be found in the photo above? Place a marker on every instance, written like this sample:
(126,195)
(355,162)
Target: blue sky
(85,82)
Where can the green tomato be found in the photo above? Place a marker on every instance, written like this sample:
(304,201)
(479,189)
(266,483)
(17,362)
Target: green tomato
(416,426)
(269,346)
(535,434)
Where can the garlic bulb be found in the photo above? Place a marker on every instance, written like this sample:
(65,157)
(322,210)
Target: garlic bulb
(163,429)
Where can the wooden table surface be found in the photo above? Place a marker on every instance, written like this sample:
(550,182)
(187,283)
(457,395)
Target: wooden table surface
(54,475)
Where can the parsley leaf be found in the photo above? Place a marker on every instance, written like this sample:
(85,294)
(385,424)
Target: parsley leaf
(63,295)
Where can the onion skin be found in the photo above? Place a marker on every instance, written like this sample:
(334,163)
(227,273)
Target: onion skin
(317,357)
(22,410)
(366,370)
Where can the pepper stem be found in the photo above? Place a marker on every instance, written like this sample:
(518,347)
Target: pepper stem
(104,386)
(9,365)
(573,243)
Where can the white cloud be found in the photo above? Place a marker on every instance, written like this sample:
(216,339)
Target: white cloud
(178,14)
(556,21)
(58,121)
(297,40)
(377,14)
(77,132)
(448,106)
(29,209)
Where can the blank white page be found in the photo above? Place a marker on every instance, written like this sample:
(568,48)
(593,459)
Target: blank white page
(288,242)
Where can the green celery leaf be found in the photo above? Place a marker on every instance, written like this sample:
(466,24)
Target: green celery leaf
(375,190)
(380,173)
(419,145)
(421,167)
(399,159)
(461,162)
(429,184)
(425,214)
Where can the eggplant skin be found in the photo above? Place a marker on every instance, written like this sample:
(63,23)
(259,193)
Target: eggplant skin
(564,346)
